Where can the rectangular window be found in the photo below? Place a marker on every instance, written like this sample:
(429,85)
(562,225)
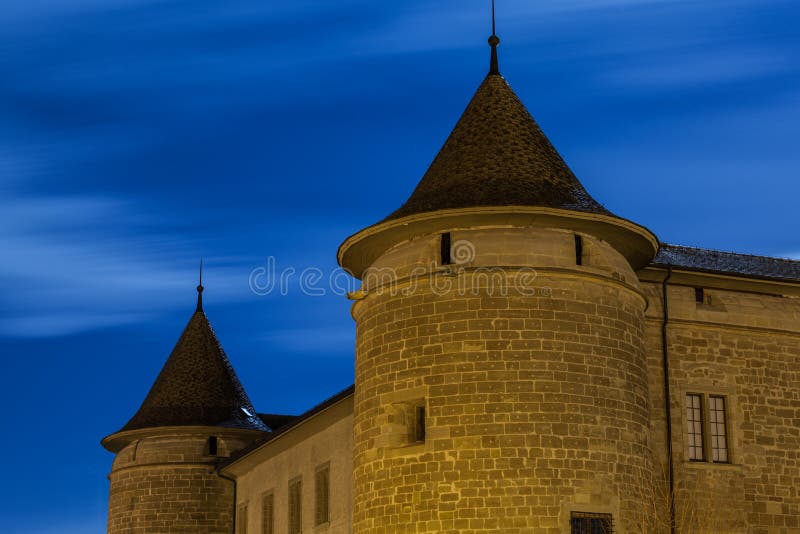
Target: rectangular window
(295,506)
(578,250)
(419,424)
(321,493)
(590,523)
(694,427)
(268,514)
(706,428)
(445,249)
(719,438)
(699,295)
(241,519)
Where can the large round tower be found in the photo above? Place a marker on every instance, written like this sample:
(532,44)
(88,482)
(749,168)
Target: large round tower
(164,476)
(501,381)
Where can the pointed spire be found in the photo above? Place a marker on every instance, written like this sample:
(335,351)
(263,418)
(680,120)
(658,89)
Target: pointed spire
(494,40)
(200,288)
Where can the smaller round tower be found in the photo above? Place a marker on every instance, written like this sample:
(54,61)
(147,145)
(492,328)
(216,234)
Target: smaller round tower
(163,478)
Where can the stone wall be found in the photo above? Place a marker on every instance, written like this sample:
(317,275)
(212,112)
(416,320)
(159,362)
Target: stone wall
(325,440)
(167,483)
(745,347)
(536,402)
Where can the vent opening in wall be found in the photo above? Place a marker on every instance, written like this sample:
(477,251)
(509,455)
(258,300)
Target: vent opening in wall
(578,250)
(212,446)
(419,426)
(699,295)
(445,249)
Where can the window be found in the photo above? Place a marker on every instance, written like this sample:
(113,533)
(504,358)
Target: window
(419,424)
(590,523)
(706,433)
(241,519)
(212,446)
(445,249)
(295,506)
(694,427)
(321,493)
(719,438)
(578,250)
(268,514)
(699,295)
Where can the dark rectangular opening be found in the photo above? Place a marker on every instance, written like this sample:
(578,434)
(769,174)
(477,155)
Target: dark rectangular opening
(699,295)
(590,523)
(445,253)
(212,446)
(578,250)
(419,432)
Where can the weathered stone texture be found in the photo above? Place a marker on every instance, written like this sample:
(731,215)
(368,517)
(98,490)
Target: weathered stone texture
(537,404)
(168,484)
(745,347)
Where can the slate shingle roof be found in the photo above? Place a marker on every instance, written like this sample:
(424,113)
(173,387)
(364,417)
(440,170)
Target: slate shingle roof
(698,259)
(197,386)
(498,156)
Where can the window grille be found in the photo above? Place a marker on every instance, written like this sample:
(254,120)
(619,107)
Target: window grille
(322,493)
(268,514)
(295,506)
(694,427)
(719,438)
(591,523)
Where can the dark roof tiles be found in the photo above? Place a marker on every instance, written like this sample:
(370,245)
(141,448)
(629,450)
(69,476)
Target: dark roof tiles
(197,386)
(498,156)
(699,259)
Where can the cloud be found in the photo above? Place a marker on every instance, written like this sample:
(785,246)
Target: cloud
(73,263)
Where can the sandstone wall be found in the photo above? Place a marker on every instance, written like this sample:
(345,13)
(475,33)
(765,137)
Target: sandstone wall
(745,347)
(536,403)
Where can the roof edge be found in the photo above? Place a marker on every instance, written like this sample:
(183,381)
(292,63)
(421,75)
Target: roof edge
(359,251)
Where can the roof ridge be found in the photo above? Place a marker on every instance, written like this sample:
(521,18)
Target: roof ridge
(734,253)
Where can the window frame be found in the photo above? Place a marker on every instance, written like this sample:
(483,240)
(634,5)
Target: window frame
(577,515)
(241,518)
(710,430)
(293,528)
(268,527)
(320,519)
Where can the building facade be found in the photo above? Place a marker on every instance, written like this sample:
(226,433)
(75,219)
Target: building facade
(525,362)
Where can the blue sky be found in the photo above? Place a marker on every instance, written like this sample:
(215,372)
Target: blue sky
(137,136)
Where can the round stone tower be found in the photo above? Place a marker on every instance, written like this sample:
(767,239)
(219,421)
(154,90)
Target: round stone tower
(501,380)
(164,476)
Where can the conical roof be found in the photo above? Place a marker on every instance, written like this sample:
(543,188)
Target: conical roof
(197,386)
(498,156)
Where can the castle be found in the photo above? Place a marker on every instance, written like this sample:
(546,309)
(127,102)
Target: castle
(526,362)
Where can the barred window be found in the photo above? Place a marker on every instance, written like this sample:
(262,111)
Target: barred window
(590,523)
(268,514)
(321,494)
(241,519)
(694,427)
(719,438)
(295,506)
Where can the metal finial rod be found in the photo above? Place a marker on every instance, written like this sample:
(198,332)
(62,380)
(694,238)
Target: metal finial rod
(200,288)
(494,40)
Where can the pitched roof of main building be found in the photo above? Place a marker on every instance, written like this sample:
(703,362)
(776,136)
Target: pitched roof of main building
(730,263)
(197,386)
(498,156)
